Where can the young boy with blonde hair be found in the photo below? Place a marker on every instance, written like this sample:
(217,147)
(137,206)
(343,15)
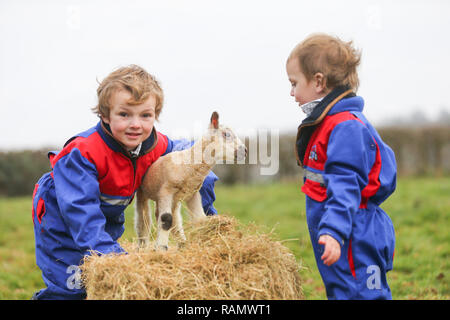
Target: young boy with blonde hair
(79,205)
(348,171)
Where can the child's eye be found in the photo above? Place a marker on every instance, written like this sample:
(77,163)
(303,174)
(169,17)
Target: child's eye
(123,114)
(147,115)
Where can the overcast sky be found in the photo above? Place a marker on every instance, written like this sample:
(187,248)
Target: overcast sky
(227,56)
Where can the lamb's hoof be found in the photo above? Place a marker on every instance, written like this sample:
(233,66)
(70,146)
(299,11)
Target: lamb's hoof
(162,247)
(180,237)
(181,244)
(143,243)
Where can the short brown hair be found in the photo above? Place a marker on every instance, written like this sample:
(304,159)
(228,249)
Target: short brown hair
(335,59)
(138,82)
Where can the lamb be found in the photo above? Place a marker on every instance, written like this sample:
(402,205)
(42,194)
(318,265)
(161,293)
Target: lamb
(178,176)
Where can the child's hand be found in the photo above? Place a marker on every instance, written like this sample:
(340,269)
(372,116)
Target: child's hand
(332,249)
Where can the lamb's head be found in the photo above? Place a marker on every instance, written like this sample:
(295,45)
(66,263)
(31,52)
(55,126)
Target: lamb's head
(223,144)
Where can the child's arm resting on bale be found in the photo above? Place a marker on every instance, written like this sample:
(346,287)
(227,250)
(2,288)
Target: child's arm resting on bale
(78,195)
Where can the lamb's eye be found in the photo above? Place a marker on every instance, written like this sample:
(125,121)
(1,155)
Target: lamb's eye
(226,134)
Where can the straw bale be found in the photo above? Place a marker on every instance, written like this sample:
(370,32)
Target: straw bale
(221,259)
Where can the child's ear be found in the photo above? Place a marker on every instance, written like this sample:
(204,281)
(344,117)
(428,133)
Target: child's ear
(104,119)
(320,82)
(214,123)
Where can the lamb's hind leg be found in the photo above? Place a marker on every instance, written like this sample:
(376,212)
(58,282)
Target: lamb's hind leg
(195,207)
(178,224)
(142,219)
(164,222)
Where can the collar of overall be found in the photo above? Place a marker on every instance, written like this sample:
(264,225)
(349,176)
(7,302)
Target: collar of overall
(142,149)
(310,123)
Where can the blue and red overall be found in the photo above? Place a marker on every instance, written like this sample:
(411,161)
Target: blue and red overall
(79,205)
(348,172)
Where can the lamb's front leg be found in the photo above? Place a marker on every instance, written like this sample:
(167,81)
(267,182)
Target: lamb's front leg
(164,222)
(195,207)
(178,224)
(142,219)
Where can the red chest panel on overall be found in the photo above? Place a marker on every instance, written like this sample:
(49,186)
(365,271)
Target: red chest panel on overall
(316,157)
(117,176)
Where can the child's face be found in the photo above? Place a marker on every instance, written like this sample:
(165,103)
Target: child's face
(301,89)
(130,124)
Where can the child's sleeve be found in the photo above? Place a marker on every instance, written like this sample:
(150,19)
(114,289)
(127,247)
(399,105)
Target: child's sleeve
(207,189)
(78,196)
(350,157)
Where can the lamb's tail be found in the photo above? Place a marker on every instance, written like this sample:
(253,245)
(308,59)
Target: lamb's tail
(142,218)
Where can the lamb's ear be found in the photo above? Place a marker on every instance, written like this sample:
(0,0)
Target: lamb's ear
(214,124)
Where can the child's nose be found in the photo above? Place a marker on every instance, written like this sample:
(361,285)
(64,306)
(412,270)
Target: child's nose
(135,122)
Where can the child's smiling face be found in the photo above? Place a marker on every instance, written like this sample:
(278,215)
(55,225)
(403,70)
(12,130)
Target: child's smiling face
(301,89)
(130,124)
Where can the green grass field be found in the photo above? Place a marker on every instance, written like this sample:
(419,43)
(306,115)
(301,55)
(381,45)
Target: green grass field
(420,210)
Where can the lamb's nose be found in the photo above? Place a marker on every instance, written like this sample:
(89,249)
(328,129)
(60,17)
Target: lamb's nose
(245,151)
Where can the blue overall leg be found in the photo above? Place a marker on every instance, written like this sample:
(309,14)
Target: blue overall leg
(373,244)
(56,255)
(360,272)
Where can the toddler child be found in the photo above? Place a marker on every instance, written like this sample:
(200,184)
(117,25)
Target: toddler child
(348,171)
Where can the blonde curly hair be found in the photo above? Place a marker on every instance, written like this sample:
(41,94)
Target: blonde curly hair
(138,82)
